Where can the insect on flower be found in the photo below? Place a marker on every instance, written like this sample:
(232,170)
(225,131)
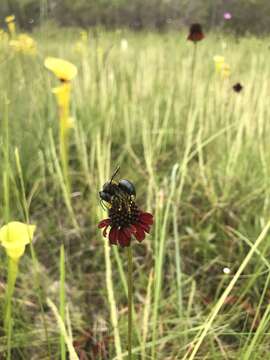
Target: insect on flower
(125,218)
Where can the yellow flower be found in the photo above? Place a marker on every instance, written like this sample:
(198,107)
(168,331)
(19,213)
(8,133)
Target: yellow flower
(62,94)
(219,62)
(24,44)
(62,69)
(14,237)
(10,20)
(226,71)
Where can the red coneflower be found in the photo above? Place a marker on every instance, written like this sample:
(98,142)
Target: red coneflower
(126,220)
(195,33)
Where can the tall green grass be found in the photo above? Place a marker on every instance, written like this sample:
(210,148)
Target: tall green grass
(201,166)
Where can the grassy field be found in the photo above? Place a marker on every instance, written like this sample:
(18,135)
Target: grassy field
(199,155)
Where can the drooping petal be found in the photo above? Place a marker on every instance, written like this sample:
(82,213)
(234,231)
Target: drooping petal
(145,227)
(103,223)
(62,69)
(146,218)
(113,236)
(14,236)
(140,234)
(15,253)
(124,237)
(132,229)
(15,232)
(104,233)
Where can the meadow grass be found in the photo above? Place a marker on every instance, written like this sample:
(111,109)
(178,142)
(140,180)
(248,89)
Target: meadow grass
(199,156)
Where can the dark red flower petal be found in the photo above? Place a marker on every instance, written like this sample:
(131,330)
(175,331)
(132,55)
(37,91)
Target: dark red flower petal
(113,235)
(132,229)
(196,37)
(140,234)
(124,237)
(103,223)
(146,218)
(105,231)
(145,227)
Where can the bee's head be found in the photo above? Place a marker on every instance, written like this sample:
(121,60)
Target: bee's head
(109,187)
(105,196)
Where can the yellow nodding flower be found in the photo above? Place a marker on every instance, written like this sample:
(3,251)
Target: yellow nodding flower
(62,94)
(219,62)
(62,69)
(10,20)
(81,46)
(24,44)
(225,71)
(14,237)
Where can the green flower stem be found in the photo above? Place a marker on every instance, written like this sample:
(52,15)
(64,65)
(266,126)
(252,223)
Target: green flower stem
(12,275)
(64,152)
(130,296)
(62,296)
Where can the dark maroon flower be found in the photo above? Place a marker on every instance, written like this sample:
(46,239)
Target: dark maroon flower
(126,220)
(237,87)
(195,33)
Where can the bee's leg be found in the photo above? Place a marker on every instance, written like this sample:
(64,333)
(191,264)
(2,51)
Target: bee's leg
(105,206)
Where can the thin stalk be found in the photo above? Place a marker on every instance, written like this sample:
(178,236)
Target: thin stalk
(12,275)
(64,153)
(62,297)
(37,282)
(160,259)
(6,178)
(130,296)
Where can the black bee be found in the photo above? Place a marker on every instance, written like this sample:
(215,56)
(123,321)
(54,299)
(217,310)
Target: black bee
(120,191)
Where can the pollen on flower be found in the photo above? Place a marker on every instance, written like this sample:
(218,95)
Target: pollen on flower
(126,220)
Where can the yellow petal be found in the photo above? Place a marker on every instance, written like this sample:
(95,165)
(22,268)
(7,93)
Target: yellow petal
(16,252)
(218,59)
(62,69)
(62,94)
(219,62)
(10,18)
(16,234)
(70,123)
(226,71)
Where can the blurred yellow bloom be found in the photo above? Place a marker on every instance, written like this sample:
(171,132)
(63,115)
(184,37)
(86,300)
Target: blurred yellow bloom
(222,67)
(62,69)
(226,71)
(14,237)
(62,94)
(81,46)
(24,44)
(10,20)
(219,62)
(124,44)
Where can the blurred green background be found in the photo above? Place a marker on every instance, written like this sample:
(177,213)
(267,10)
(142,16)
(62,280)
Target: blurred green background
(247,15)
